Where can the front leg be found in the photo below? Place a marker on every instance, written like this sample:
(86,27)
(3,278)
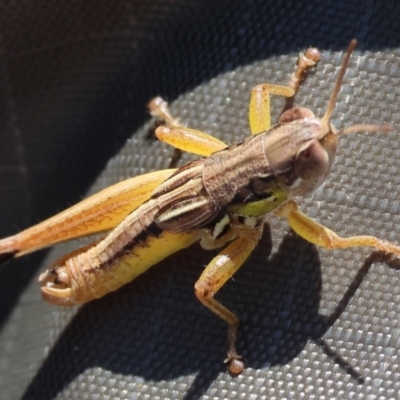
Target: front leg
(218,271)
(260,102)
(318,234)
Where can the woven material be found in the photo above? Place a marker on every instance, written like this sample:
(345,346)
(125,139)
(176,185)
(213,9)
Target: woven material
(75,78)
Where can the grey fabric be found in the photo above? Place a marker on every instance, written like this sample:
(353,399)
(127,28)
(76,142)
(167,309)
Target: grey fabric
(75,78)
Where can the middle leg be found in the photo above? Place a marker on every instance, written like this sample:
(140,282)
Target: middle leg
(218,271)
(180,137)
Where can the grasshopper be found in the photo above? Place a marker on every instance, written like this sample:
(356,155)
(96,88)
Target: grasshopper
(221,200)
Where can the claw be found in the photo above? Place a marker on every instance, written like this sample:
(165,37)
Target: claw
(235,362)
(236,367)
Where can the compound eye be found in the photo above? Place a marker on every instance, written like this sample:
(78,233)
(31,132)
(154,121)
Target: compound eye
(312,161)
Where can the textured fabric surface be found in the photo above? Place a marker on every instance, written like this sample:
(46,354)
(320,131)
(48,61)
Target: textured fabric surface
(75,78)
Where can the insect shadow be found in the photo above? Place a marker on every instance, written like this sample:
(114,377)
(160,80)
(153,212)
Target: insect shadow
(155,328)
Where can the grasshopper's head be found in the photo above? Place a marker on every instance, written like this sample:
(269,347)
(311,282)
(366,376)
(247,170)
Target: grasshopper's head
(311,143)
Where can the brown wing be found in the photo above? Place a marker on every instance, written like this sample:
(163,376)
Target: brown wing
(188,213)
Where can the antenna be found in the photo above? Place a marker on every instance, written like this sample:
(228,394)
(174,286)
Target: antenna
(335,92)
(339,80)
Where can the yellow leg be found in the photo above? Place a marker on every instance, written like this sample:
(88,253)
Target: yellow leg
(260,105)
(220,269)
(98,213)
(190,140)
(324,237)
(180,137)
(260,109)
